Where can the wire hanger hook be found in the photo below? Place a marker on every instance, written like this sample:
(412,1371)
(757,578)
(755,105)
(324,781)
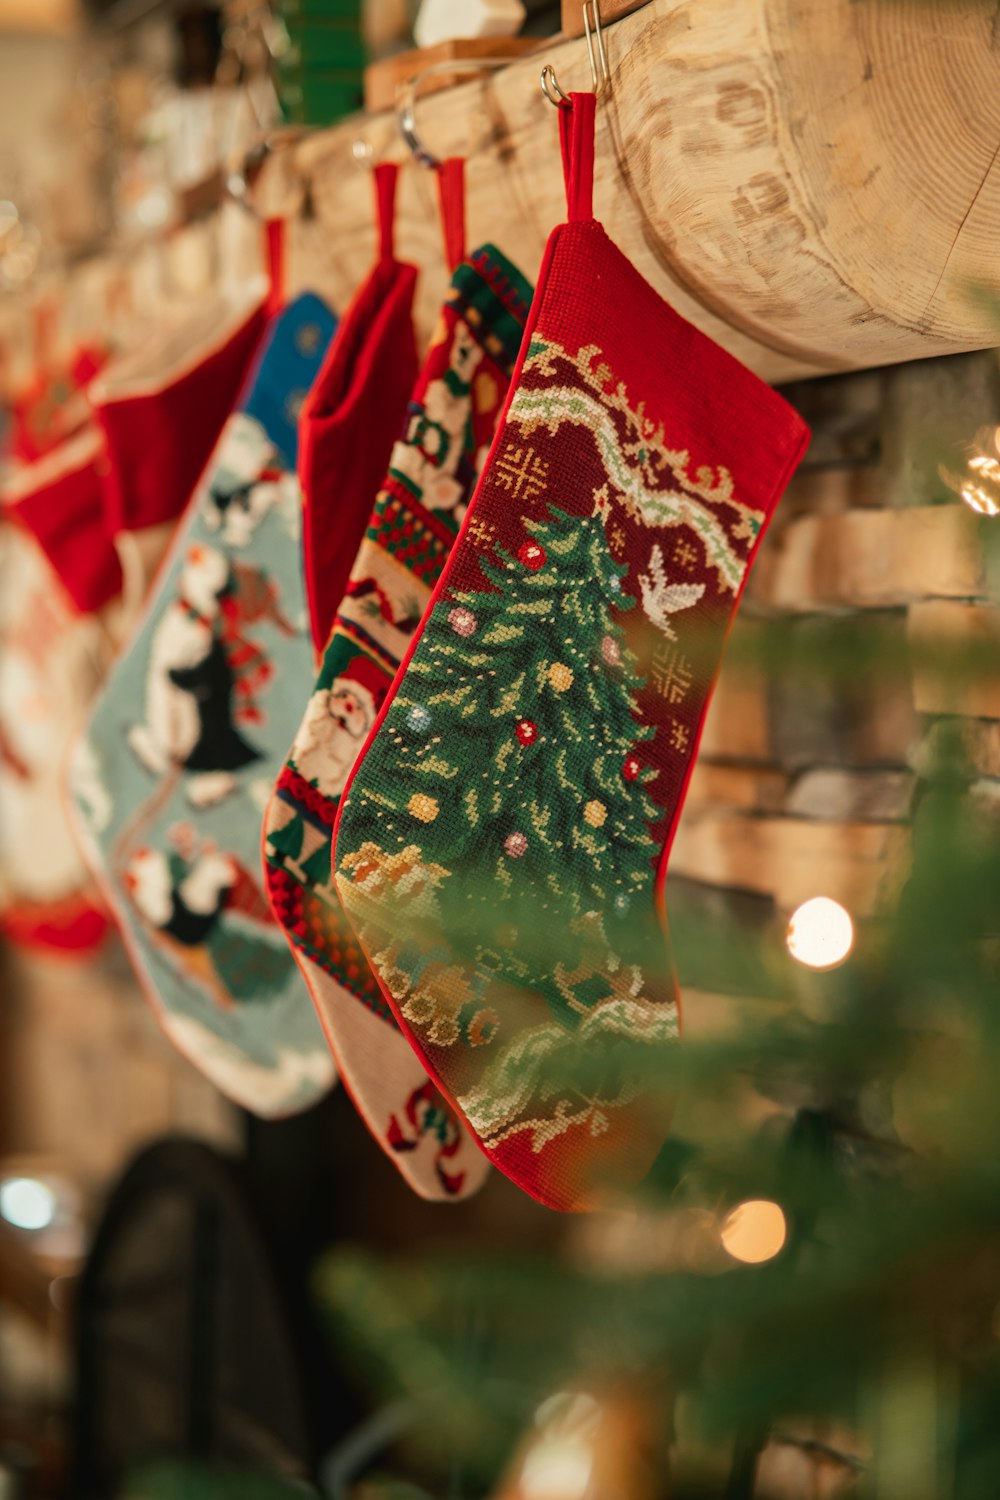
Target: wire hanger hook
(406,105)
(600,75)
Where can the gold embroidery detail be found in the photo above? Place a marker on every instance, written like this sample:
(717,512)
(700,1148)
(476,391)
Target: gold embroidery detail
(522,472)
(671,673)
(483,533)
(679,736)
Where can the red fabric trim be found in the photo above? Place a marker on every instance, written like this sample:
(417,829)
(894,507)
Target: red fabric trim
(576,141)
(386,177)
(49,410)
(349,422)
(159,443)
(66,518)
(451,198)
(274,259)
(87,362)
(73,927)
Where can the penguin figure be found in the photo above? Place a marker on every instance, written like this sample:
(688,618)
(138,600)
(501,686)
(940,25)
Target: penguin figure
(211,683)
(211,921)
(203,673)
(246,482)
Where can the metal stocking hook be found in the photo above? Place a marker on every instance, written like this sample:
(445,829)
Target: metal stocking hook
(406,106)
(600,75)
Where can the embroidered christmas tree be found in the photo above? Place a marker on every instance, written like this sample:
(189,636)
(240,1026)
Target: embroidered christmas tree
(506,881)
(507,771)
(537,856)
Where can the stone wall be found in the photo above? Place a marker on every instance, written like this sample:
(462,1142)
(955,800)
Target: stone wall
(811,755)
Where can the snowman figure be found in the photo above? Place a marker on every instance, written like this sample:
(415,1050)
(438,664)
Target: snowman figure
(200,668)
(246,482)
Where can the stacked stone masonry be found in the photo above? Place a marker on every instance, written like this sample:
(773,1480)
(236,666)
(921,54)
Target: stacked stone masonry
(868,628)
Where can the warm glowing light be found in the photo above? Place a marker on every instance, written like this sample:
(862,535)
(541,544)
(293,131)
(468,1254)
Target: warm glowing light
(559,1465)
(755,1231)
(985,463)
(557,1469)
(979,499)
(820,933)
(27,1204)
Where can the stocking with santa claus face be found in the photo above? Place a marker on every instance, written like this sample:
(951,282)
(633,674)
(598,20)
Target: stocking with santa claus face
(184,744)
(59,596)
(432,470)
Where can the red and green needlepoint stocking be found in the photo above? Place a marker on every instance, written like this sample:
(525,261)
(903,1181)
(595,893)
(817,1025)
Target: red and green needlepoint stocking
(449,426)
(501,845)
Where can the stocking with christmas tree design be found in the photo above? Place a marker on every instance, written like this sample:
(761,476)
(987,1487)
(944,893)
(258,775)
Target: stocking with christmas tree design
(501,846)
(449,425)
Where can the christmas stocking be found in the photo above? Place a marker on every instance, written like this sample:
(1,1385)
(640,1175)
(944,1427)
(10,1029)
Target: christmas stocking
(161,409)
(59,581)
(450,423)
(50,407)
(186,740)
(502,843)
(352,417)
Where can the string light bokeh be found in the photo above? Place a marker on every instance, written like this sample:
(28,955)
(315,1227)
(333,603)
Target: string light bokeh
(820,933)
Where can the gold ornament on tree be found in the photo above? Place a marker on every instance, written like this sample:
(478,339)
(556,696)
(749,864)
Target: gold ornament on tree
(423,807)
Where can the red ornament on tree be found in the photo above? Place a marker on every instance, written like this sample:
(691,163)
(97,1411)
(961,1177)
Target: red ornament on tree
(630,769)
(526,732)
(531,555)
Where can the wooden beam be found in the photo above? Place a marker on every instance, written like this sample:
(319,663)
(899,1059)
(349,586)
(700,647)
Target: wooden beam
(816,185)
(610,10)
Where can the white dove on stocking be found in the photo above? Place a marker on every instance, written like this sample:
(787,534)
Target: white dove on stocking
(661,599)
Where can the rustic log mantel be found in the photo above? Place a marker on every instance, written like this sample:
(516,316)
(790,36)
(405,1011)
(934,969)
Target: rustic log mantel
(815,184)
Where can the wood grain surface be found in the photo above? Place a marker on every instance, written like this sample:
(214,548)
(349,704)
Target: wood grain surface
(815,185)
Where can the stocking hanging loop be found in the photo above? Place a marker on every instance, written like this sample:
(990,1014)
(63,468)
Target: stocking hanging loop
(274,259)
(385,175)
(451,198)
(600,76)
(576,141)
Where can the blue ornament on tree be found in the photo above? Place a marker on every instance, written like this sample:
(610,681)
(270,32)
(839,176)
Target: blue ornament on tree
(418,719)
